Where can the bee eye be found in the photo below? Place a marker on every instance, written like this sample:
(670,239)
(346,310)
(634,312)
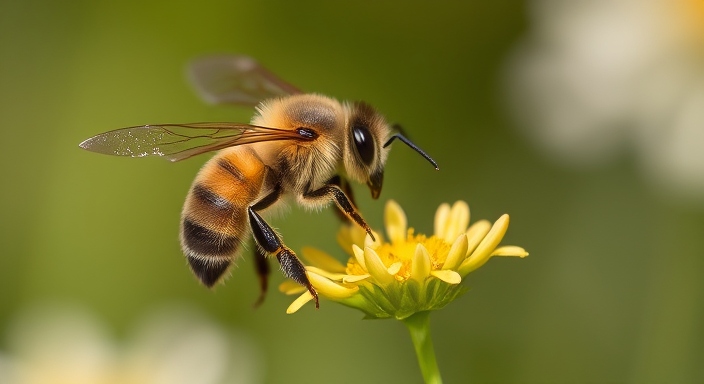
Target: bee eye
(307,133)
(364,143)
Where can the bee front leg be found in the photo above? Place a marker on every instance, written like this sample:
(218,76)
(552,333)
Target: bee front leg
(291,266)
(344,184)
(333,192)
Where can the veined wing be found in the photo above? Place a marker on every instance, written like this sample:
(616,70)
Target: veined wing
(235,79)
(181,141)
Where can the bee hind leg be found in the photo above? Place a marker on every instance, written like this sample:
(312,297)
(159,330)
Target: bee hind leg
(263,270)
(270,243)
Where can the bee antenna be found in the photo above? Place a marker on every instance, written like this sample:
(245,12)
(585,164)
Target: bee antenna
(415,148)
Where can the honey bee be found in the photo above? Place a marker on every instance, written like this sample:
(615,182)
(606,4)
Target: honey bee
(300,145)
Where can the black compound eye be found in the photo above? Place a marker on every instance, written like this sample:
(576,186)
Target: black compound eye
(364,143)
(307,133)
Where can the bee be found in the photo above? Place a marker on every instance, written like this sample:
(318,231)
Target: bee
(300,145)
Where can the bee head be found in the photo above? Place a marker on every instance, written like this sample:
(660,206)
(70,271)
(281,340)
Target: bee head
(367,147)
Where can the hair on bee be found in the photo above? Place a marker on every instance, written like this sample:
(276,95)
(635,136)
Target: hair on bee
(301,145)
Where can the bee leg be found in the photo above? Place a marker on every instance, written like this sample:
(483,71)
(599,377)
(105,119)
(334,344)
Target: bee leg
(260,260)
(347,189)
(333,192)
(270,243)
(263,270)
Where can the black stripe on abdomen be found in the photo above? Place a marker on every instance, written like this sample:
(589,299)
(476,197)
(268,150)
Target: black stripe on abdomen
(212,200)
(206,242)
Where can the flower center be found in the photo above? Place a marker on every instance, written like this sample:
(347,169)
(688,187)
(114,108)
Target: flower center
(404,251)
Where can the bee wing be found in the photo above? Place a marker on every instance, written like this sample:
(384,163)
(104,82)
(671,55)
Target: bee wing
(235,79)
(181,141)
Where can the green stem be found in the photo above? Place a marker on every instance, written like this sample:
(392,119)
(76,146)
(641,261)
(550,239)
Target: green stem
(419,327)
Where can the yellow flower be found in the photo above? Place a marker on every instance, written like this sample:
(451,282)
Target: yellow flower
(408,273)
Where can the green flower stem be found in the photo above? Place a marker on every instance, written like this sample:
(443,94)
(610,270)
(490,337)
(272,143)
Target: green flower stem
(419,326)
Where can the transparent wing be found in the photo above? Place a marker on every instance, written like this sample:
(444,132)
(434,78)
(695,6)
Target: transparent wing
(181,141)
(235,79)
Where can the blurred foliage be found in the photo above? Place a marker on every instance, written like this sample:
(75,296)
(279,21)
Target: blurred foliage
(612,290)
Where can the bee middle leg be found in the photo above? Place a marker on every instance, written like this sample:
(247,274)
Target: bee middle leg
(335,193)
(270,243)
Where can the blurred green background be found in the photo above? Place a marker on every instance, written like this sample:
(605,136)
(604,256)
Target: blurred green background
(612,291)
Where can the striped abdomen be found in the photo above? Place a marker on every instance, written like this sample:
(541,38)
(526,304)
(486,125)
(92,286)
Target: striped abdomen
(214,219)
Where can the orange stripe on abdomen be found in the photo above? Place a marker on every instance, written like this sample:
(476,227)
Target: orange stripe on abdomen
(214,222)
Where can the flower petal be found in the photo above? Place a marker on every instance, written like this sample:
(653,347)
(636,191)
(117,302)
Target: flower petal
(376,267)
(329,289)
(448,276)
(359,255)
(441,216)
(322,260)
(476,233)
(354,278)
(395,267)
(483,252)
(326,274)
(299,302)
(368,242)
(457,253)
(395,222)
(510,250)
(349,235)
(457,221)
(420,269)
(290,287)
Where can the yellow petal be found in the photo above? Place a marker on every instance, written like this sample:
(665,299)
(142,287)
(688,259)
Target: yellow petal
(448,276)
(329,289)
(359,255)
(322,260)
(299,302)
(354,278)
(510,250)
(329,275)
(290,287)
(457,253)
(368,242)
(483,252)
(395,267)
(395,221)
(476,233)
(457,221)
(348,235)
(376,267)
(420,269)
(441,216)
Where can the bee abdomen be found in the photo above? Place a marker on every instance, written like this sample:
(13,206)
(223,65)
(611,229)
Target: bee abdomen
(209,253)
(211,200)
(214,220)
(207,238)
(209,270)
(204,241)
